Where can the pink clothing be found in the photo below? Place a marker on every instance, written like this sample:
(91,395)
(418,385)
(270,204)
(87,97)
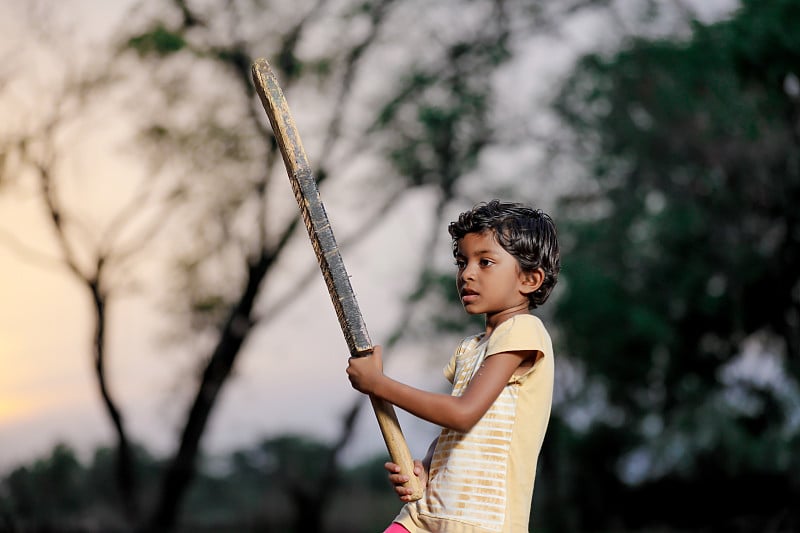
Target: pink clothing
(396,528)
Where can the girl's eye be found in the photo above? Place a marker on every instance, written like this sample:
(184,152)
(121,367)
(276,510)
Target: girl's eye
(460,264)
(486,262)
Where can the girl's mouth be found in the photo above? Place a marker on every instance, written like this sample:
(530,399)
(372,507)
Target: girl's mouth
(468,296)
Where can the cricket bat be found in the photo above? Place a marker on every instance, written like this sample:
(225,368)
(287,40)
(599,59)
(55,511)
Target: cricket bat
(330,261)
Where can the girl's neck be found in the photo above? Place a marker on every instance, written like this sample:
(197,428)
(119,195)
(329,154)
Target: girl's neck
(494,320)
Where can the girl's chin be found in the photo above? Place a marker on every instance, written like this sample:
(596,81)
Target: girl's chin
(471,309)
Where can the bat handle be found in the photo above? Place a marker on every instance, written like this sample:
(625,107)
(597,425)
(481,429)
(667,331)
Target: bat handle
(396,444)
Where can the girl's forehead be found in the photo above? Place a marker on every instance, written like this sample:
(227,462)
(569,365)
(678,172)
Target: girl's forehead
(479,242)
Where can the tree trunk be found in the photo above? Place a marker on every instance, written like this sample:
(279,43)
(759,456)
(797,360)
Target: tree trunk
(182,469)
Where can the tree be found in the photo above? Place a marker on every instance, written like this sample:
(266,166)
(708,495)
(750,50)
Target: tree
(681,267)
(99,252)
(52,487)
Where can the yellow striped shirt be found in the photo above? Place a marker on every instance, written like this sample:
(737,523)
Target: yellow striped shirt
(482,481)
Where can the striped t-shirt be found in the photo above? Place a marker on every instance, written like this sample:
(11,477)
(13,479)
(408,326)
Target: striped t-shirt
(482,481)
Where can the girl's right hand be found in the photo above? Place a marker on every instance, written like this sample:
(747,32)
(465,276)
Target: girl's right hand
(397,479)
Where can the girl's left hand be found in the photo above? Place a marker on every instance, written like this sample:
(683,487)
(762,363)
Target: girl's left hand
(365,372)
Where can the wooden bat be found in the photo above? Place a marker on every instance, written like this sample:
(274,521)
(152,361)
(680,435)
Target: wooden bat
(330,261)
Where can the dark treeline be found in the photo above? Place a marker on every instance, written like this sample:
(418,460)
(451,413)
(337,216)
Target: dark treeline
(253,490)
(250,489)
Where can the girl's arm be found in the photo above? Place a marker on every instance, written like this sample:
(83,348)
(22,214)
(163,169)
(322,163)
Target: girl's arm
(455,412)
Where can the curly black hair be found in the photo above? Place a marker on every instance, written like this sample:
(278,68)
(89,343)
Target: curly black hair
(527,234)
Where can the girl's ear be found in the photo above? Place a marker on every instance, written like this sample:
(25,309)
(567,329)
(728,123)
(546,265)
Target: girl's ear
(531,281)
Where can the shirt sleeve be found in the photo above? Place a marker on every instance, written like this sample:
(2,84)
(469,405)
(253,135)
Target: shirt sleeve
(519,333)
(449,371)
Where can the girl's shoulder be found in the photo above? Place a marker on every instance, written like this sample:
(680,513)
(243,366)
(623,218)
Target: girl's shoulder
(520,332)
(522,321)
(470,342)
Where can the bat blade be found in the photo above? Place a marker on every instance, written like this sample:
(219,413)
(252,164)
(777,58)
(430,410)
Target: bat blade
(313,211)
(327,252)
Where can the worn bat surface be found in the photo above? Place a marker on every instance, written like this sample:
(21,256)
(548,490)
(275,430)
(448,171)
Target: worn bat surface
(330,260)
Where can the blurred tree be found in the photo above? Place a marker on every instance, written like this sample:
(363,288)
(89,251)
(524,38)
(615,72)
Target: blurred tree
(36,497)
(681,299)
(252,489)
(99,252)
(432,129)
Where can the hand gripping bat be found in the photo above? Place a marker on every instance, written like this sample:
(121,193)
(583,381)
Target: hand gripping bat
(330,260)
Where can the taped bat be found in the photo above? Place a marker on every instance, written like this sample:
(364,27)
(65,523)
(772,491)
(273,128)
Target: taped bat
(330,261)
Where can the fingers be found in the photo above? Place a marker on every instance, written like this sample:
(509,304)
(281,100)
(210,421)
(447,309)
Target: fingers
(404,493)
(405,497)
(402,478)
(391,467)
(377,351)
(398,480)
(394,471)
(364,372)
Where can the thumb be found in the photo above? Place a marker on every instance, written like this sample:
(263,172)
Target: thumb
(377,353)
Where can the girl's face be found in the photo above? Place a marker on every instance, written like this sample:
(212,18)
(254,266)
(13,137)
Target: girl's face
(489,279)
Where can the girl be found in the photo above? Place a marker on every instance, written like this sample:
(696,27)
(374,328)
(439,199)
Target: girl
(479,472)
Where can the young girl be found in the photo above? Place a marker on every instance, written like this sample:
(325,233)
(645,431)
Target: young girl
(479,472)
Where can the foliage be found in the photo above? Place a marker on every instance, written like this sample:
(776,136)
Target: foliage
(246,490)
(682,261)
(59,493)
(159,41)
(440,138)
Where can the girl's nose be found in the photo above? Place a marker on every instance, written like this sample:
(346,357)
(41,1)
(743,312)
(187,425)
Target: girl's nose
(468,272)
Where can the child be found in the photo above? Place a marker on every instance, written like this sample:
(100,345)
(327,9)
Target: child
(479,472)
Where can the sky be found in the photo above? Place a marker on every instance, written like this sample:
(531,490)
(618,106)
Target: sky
(48,393)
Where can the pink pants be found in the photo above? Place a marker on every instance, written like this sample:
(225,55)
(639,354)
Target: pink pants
(396,528)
